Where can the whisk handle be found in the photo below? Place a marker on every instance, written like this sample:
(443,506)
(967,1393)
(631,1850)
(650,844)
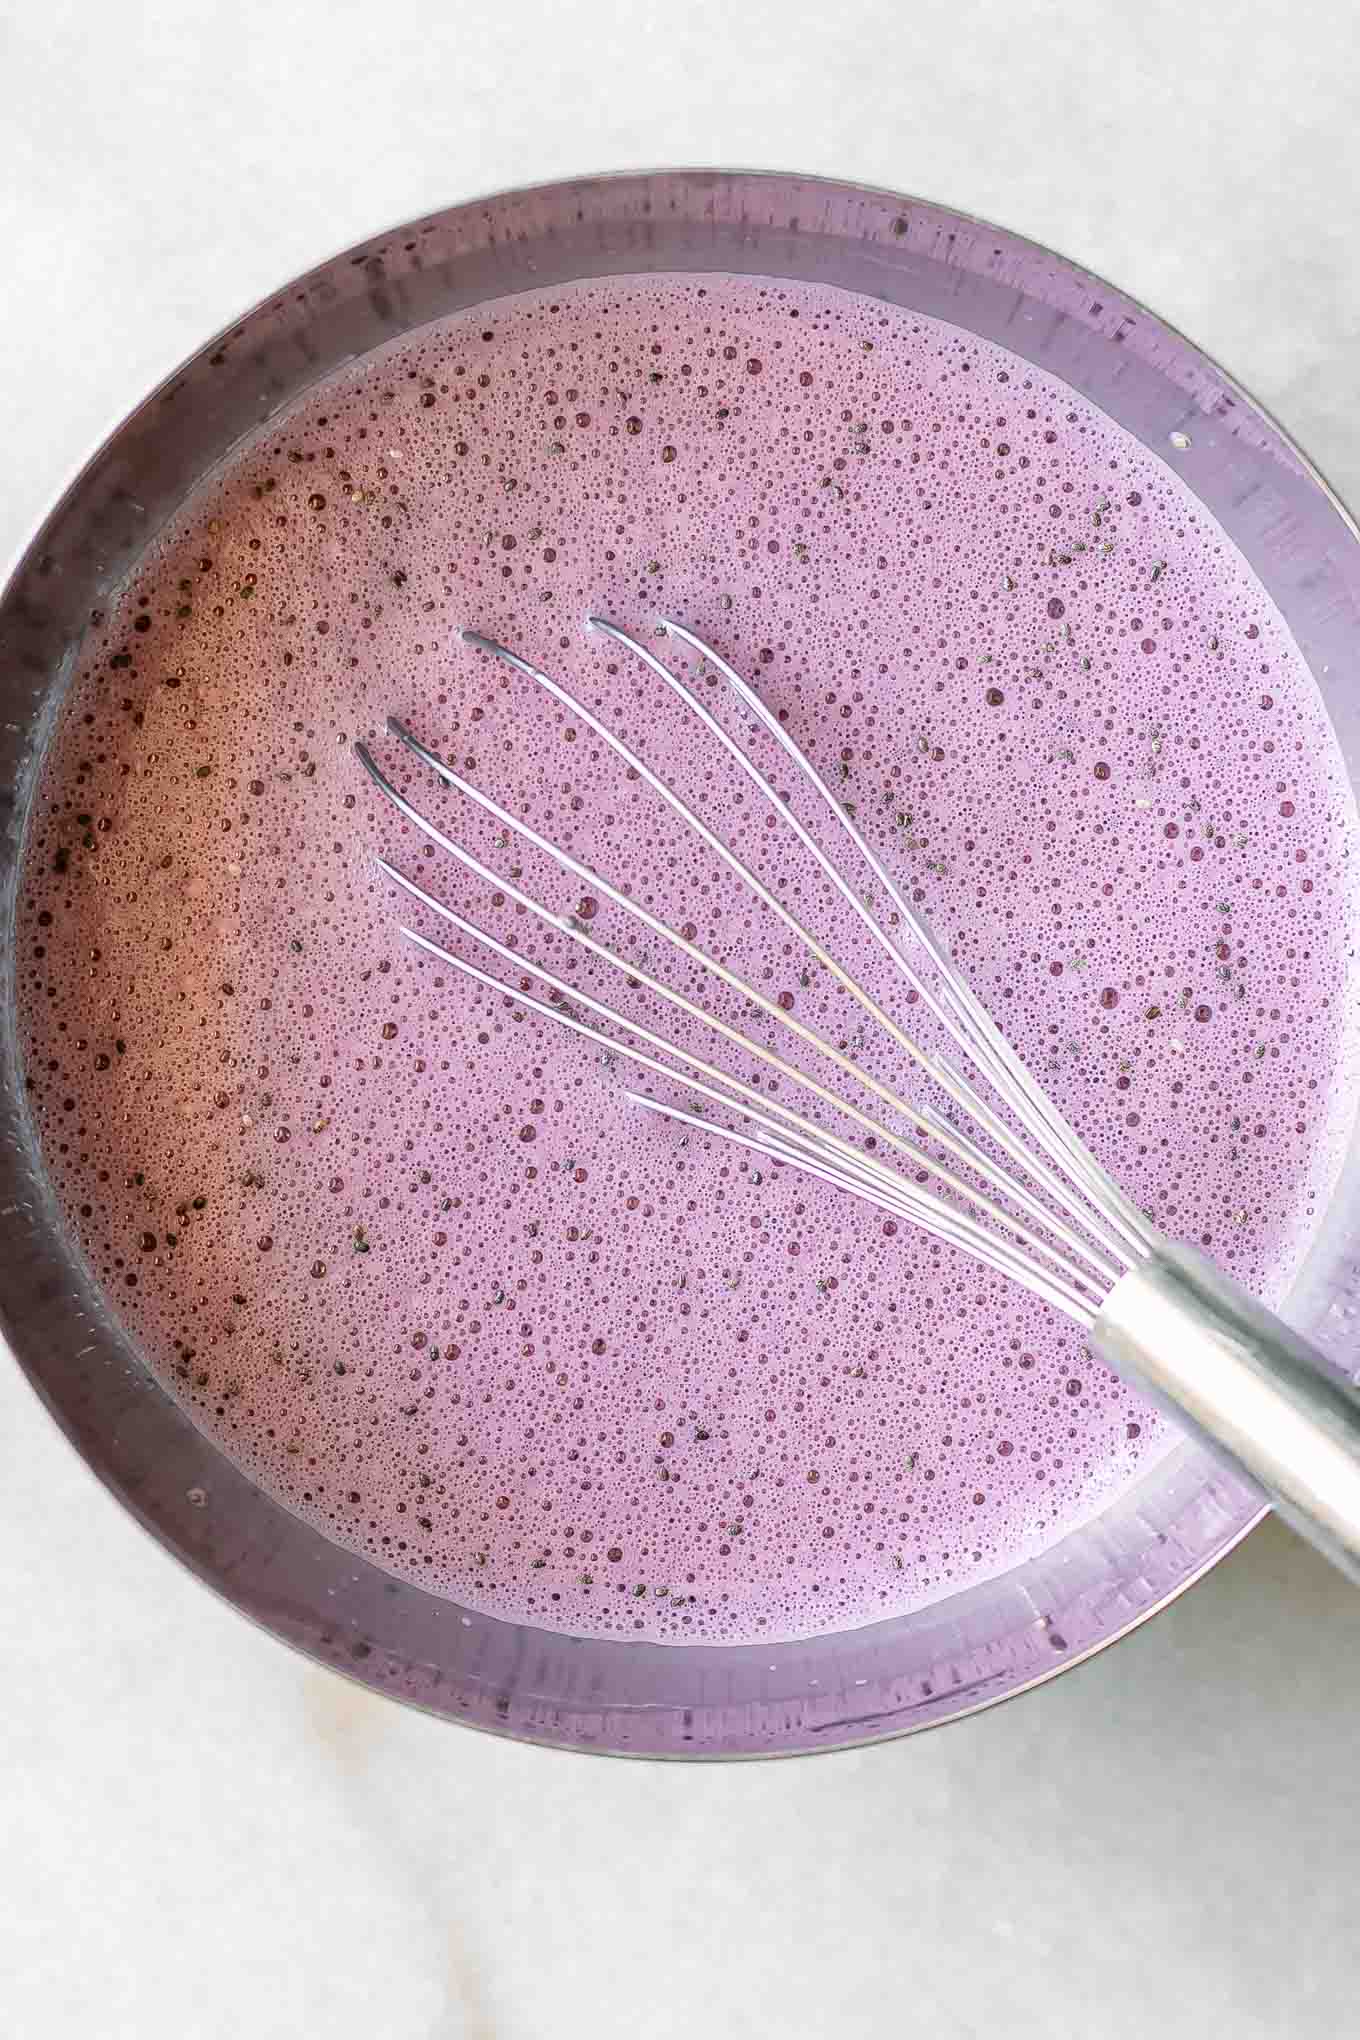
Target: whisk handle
(1252,1389)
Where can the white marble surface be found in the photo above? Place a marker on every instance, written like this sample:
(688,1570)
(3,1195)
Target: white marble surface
(200,1835)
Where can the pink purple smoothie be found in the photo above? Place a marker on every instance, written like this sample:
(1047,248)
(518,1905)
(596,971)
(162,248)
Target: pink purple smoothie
(401,1247)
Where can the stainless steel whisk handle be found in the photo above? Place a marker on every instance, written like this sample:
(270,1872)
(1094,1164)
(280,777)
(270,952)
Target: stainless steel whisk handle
(1252,1389)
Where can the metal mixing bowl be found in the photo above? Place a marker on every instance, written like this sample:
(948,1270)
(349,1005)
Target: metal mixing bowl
(964,1652)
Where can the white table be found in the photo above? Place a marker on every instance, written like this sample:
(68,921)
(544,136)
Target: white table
(200,1835)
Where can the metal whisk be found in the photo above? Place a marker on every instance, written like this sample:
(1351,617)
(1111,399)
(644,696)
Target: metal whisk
(1022,1194)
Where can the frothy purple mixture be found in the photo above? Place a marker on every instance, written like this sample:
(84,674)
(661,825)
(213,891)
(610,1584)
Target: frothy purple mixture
(400,1245)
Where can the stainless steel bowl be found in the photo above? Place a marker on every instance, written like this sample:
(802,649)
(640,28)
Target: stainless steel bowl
(962,1653)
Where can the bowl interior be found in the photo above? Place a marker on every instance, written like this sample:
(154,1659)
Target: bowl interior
(963,1652)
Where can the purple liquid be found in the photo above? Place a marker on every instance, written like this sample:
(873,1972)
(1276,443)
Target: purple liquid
(401,1247)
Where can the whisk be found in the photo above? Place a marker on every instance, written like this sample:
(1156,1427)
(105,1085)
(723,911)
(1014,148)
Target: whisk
(1021,1193)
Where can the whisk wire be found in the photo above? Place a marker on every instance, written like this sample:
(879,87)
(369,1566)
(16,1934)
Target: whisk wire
(1078,1207)
(1079,1250)
(808,1148)
(570,926)
(949,1226)
(960,1011)
(786,1140)
(940,1074)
